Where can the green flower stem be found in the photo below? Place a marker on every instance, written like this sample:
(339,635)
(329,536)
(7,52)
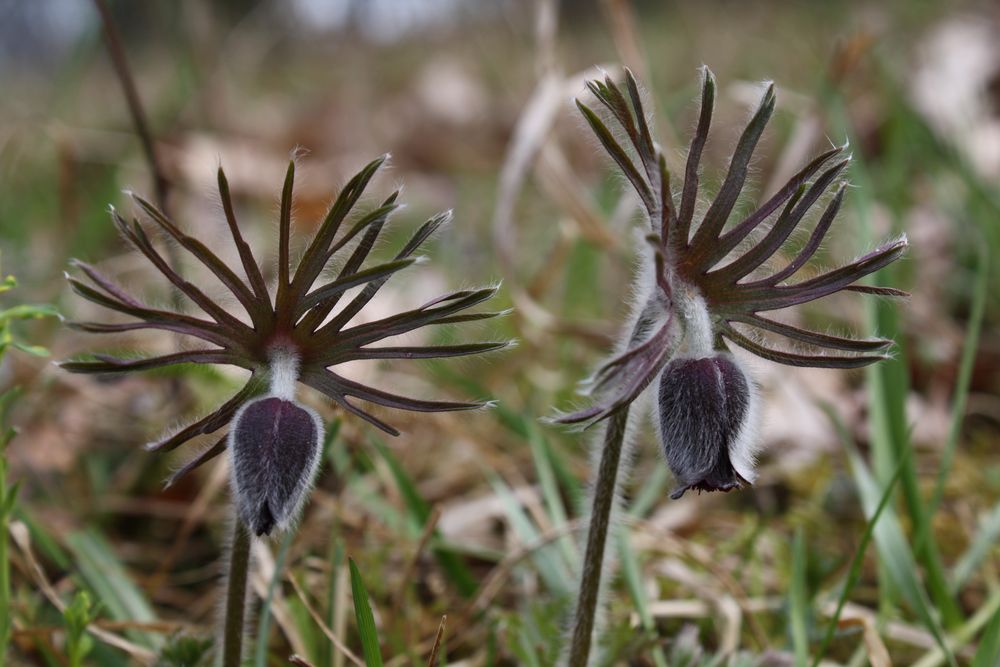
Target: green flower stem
(236,595)
(597,537)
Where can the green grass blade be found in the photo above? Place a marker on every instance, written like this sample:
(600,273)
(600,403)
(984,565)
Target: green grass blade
(311,637)
(335,560)
(798,601)
(652,491)
(633,582)
(264,622)
(525,429)
(892,439)
(107,577)
(963,635)
(41,539)
(893,548)
(985,540)
(988,653)
(888,388)
(365,618)
(854,572)
(550,566)
(965,367)
(420,513)
(541,454)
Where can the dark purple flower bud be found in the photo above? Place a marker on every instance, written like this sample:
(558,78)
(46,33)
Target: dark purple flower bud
(275,445)
(705,409)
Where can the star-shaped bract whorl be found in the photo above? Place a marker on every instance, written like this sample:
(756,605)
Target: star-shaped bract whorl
(689,263)
(298,322)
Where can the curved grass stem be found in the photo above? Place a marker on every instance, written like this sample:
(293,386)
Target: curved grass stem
(236,594)
(605,490)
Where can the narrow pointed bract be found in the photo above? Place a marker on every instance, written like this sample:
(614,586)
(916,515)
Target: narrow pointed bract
(302,329)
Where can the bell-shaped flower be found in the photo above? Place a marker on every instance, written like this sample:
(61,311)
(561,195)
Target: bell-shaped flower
(275,445)
(713,274)
(300,331)
(705,415)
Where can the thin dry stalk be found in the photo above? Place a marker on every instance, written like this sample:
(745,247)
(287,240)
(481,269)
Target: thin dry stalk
(113,39)
(432,660)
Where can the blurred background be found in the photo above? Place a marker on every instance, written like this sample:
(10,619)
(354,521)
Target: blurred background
(476,516)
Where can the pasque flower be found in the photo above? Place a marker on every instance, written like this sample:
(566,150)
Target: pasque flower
(701,283)
(299,336)
(714,279)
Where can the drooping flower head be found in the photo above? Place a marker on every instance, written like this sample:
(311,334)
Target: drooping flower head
(299,336)
(714,280)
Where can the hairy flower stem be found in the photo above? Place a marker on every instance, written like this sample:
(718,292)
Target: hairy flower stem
(605,489)
(236,595)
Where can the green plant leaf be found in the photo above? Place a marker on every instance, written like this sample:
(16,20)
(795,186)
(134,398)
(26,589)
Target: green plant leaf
(633,581)
(34,350)
(551,567)
(965,366)
(264,620)
(28,312)
(420,513)
(984,542)
(798,601)
(894,550)
(108,579)
(365,618)
(854,572)
(988,653)
(541,453)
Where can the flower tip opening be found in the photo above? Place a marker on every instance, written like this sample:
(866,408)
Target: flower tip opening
(737,482)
